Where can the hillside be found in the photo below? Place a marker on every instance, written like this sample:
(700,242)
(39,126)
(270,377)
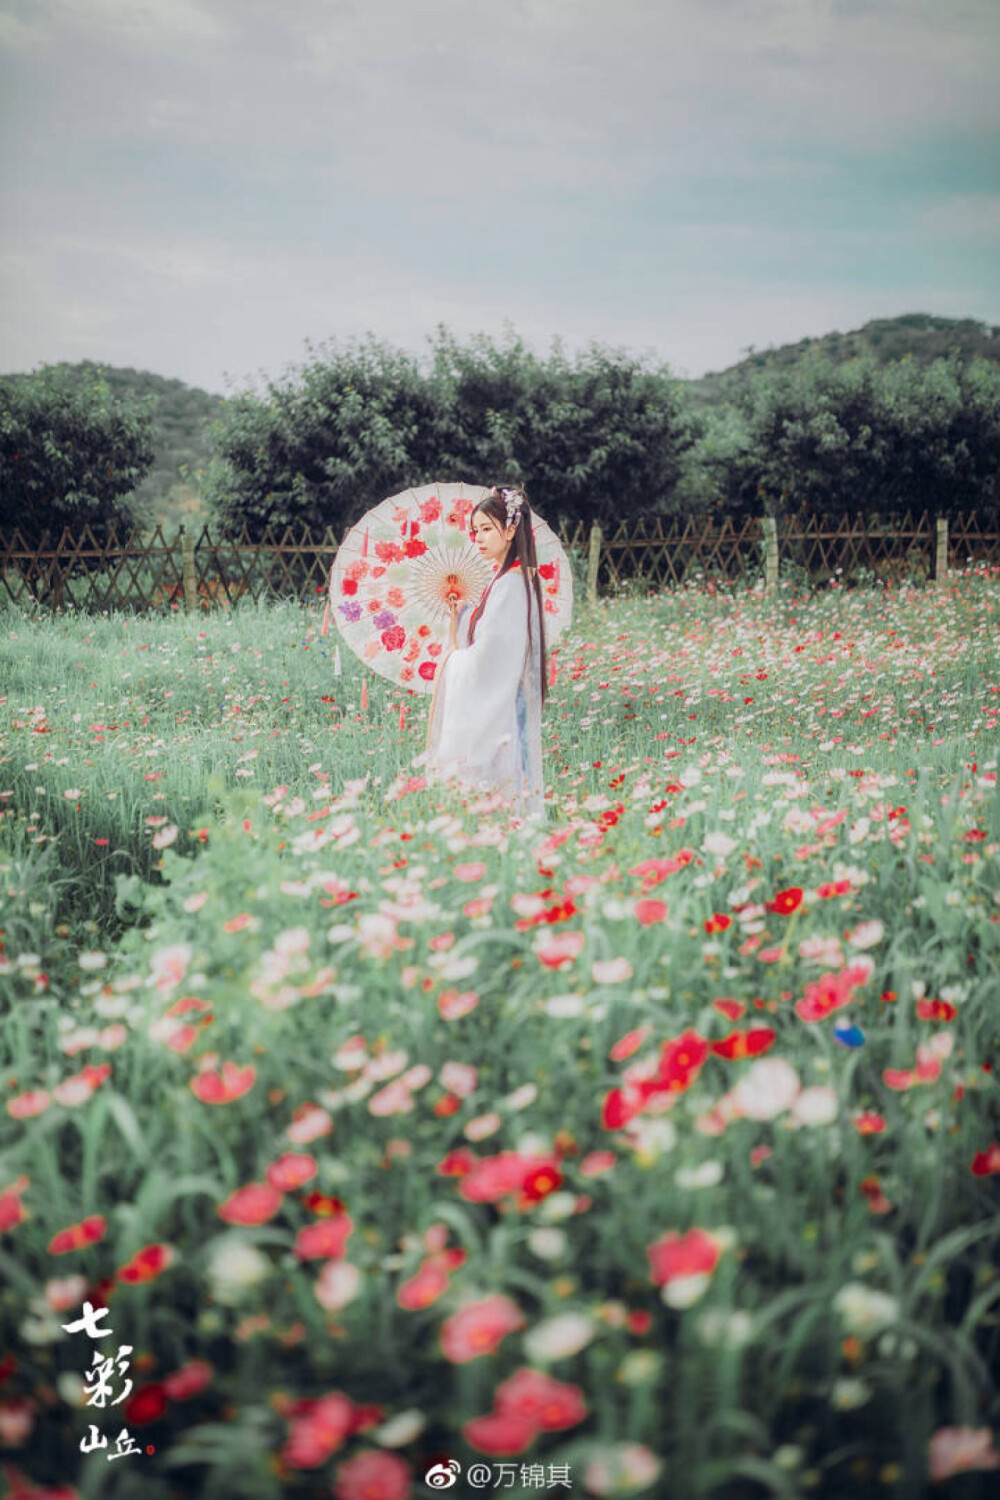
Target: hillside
(920,335)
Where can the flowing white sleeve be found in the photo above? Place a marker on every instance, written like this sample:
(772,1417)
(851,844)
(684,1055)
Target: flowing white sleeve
(476,696)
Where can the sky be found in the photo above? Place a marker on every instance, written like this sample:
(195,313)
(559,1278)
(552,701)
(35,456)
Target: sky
(214,189)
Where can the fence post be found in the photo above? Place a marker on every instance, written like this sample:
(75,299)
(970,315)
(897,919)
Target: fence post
(769,527)
(594,561)
(941,555)
(187,572)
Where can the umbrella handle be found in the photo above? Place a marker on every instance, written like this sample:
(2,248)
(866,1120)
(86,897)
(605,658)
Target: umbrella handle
(326,611)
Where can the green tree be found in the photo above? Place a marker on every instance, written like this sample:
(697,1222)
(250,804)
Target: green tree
(330,440)
(859,437)
(601,438)
(70,452)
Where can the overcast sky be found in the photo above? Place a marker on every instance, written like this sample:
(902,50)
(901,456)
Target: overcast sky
(198,187)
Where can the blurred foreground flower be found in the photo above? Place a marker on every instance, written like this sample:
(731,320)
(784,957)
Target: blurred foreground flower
(957,1450)
(621,1469)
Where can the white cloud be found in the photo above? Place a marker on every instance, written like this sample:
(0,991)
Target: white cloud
(655,173)
(146,23)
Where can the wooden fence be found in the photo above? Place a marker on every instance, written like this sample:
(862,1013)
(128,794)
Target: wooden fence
(145,570)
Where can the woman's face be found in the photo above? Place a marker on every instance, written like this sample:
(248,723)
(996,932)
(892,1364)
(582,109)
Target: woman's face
(489,537)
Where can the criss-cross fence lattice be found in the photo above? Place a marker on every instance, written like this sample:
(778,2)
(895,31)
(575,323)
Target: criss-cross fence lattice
(667,550)
(144,570)
(83,570)
(854,547)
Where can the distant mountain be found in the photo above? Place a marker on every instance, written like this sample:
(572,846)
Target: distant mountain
(182,418)
(920,335)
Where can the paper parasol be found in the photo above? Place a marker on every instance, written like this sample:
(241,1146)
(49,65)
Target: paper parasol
(397,567)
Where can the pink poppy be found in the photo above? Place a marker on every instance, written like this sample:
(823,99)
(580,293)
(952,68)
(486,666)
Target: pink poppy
(557,950)
(479,1328)
(12,1210)
(221,1087)
(429,1283)
(188,1380)
(309,1123)
(500,1434)
(629,1043)
(291,1171)
(695,1253)
(326,1239)
(316,1429)
(24,1106)
(373,1475)
(255,1203)
(551,1404)
(959,1450)
(452,1005)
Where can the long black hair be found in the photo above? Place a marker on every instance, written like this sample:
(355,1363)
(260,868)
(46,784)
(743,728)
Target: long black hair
(521,550)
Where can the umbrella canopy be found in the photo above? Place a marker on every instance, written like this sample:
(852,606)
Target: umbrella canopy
(399,566)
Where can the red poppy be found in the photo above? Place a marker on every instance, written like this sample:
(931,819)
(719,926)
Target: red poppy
(785,902)
(12,1210)
(79,1236)
(146,1264)
(740,1044)
(680,1061)
(145,1404)
(986,1163)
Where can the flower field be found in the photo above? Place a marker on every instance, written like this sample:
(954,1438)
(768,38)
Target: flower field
(654,1150)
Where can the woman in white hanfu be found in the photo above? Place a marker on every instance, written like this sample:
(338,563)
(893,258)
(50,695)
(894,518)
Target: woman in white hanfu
(484,729)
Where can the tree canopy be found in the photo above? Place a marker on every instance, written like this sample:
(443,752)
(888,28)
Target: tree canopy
(598,438)
(70,452)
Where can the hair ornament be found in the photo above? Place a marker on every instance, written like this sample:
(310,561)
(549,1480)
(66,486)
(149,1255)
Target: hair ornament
(514,500)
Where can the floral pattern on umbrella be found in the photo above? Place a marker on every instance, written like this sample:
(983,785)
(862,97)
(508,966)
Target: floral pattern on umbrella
(397,569)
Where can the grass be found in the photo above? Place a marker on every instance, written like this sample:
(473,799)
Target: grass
(679,1110)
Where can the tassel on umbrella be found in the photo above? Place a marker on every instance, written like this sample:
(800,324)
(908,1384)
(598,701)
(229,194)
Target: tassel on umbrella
(364,694)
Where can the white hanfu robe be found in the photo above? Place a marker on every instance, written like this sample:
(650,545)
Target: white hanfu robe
(484,727)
